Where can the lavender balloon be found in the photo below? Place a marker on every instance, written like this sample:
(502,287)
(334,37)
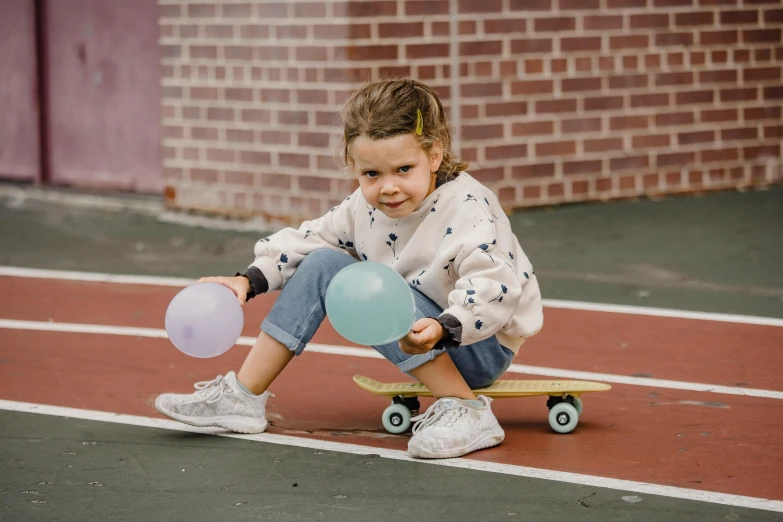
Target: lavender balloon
(204,320)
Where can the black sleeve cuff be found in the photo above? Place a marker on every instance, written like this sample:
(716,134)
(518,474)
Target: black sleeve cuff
(452,331)
(258,283)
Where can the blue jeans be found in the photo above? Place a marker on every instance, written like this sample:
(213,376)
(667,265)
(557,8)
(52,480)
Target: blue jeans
(301,307)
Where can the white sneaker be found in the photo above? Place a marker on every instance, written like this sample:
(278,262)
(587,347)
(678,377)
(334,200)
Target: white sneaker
(452,428)
(219,403)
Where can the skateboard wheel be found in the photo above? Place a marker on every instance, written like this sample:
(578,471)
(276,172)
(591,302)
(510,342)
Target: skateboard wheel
(578,405)
(563,417)
(397,418)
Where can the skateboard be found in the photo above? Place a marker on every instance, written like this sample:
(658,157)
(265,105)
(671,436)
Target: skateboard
(564,403)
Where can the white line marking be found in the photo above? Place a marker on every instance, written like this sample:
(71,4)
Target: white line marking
(462,463)
(372,354)
(549,303)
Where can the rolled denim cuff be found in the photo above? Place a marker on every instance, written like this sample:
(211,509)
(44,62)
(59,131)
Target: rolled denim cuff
(452,332)
(258,283)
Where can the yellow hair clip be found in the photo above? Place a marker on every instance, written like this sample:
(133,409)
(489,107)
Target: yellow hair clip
(419,123)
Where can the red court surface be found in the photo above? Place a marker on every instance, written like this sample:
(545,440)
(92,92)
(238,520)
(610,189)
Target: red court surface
(698,440)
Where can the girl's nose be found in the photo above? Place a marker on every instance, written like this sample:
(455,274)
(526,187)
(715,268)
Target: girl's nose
(389,188)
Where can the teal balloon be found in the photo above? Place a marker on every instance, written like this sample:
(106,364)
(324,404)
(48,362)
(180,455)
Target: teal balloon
(370,304)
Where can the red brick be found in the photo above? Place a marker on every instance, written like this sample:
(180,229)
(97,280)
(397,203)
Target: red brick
(774,92)
(629,162)
(672,3)
(718,37)
(555,106)
(580,84)
(540,170)
(580,187)
(343,75)
(763,55)
(274,10)
(718,115)
(761,36)
(566,5)
(506,152)
(582,125)
(561,23)
(719,155)
(239,135)
(674,118)
(238,52)
(394,72)
(217,31)
(275,137)
(506,108)
(365,9)
(532,87)
(237,10)
(649,21)
(738,17)
(203,51)
(533,128)
(582,167)
(256,115)
(718,76)
(720,56)
(628,81)
(480,6)
(427,51)
(291,32)
(603,103)
(480,48)
(689,138)
(650,100)
(427,7)
(288,159)
(763,151)
(401,30)
(623,4)
(773,16)
(580,44)
(698,58)
(677,78)
(254,31)
(369,52)
(531,5)
(220,114)
(480,132)
(555,148)
(761,74)
(638,41)
(693,97)
(694,18)
(673,39)
(558,65)
(732,95)
(555,190)
(650,141)
(472,90)
(603,144)
(531,45)
(508,25)
(629,122)
(606,63)
(488,175)
(204,175)
(255,157)
(675,159)
(738,134)
(602,23)
(202,11)
(314,184)
(773,132)
(762,113)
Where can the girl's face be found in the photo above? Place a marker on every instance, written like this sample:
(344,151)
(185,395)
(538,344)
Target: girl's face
(395,174)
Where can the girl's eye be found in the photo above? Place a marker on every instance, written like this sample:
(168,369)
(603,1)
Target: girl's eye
(406,168)
(371,174)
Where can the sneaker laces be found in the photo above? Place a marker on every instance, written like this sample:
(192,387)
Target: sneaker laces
(212,390)
(440,414)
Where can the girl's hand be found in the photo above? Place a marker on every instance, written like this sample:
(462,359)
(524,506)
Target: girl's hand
(424,334)
(240,285)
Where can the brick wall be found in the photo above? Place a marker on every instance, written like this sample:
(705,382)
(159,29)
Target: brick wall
(559,100)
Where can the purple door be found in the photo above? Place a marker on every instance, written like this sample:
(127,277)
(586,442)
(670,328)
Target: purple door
(103,93)
(19,117)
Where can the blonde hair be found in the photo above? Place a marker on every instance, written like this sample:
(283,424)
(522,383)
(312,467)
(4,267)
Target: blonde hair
(389,108)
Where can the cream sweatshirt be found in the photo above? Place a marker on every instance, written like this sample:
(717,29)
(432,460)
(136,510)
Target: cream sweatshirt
(457,248)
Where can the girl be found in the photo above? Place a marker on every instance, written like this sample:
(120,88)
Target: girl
(417,211)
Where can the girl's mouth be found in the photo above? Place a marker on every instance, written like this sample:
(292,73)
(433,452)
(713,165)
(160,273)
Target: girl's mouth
(394,205)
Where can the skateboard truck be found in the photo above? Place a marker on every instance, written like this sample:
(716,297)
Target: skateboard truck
(412,403)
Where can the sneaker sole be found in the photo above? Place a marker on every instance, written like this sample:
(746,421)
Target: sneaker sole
(486,440)
(232,423)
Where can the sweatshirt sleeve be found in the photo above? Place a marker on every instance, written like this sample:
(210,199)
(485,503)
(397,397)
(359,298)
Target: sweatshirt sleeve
(486,294)
(278,255)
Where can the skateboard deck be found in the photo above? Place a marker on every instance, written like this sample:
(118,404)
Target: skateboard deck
(500,389)
(565,406)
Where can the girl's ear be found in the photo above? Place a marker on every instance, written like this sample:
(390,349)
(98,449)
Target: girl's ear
(436,155)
